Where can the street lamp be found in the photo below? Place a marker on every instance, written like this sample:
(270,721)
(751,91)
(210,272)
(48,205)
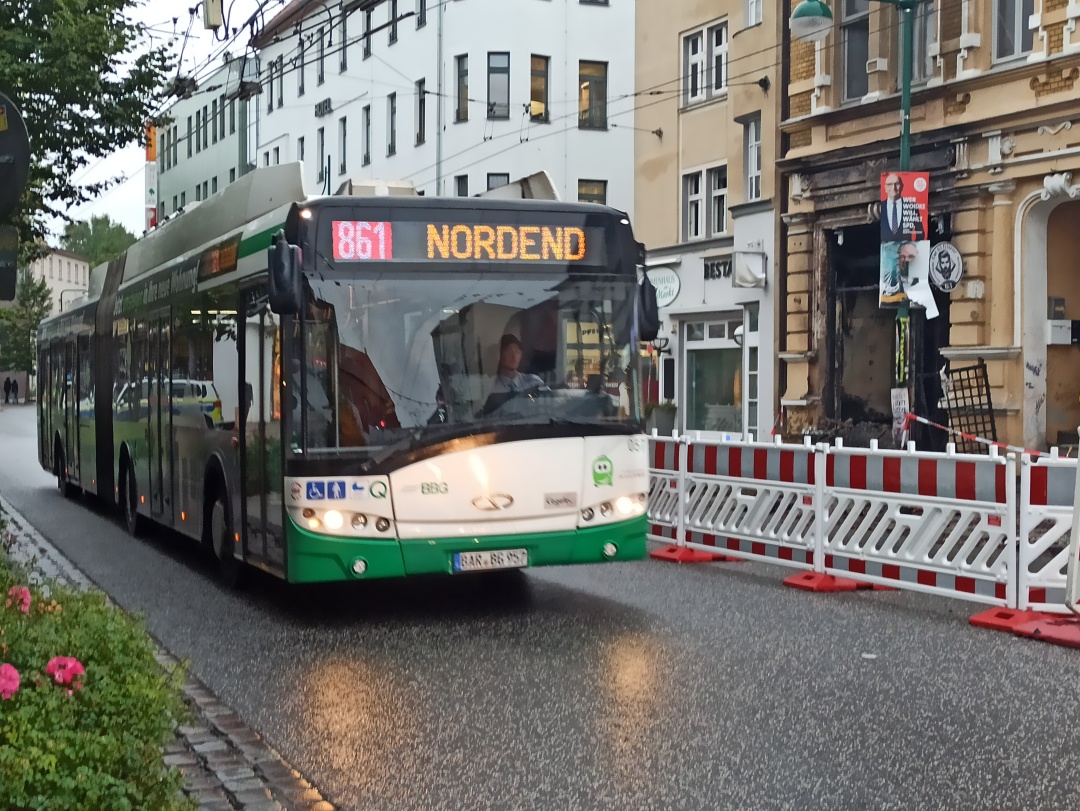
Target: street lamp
(812,20)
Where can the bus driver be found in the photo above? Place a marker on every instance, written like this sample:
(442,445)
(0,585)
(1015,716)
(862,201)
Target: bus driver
(509,381)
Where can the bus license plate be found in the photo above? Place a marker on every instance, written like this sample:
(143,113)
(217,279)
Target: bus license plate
(501,559)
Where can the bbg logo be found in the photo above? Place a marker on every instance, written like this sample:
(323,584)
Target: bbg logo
(434,489)
(602,470)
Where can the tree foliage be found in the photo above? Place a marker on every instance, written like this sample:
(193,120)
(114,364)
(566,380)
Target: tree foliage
(99,239)
(19,324)
(86,79)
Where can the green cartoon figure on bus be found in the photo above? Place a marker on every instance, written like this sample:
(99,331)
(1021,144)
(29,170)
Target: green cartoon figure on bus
(601,472)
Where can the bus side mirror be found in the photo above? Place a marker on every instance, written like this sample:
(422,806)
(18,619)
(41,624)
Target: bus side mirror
(649,311)
(286,281)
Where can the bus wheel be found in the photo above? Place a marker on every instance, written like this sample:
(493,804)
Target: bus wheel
(129,495)
(230,568)
(67,490)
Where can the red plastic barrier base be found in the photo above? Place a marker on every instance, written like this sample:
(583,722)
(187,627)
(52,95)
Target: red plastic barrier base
(683,554)
(815,581)
(1057,629)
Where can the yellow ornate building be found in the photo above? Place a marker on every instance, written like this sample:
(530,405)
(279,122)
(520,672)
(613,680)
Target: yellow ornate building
(996,123)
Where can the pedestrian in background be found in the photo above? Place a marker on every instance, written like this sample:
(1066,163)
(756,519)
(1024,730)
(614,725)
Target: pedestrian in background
(7,390)
(15,391)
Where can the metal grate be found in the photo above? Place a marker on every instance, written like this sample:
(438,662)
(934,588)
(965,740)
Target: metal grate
(967,397)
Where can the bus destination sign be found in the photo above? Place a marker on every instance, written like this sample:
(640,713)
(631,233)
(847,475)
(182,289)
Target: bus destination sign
(361,241)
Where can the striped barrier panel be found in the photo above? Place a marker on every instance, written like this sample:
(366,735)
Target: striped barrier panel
(667,457)
(1046,513)
(753,500)
(937,523)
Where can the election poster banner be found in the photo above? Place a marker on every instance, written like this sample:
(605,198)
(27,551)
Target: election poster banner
(905,243)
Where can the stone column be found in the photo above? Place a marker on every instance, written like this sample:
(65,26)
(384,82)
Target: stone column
(1001,269)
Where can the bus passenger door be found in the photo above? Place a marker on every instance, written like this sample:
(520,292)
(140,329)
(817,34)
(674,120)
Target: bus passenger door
(159,426)
(71,411)
(261,433)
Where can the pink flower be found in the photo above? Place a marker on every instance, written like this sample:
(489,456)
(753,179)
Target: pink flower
(19,594)
(64,669)
(9,681)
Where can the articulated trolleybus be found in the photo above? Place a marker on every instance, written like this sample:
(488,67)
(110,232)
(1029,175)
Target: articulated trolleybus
(356,387)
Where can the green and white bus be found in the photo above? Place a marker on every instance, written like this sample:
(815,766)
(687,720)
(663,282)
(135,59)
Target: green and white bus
(364,386)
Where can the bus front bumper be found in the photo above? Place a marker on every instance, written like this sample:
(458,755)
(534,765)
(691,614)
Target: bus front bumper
(318,558)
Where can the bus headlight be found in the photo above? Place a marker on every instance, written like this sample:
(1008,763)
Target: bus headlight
(333,519)
(624,505)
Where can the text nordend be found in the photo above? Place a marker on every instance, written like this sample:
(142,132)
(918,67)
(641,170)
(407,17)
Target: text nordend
(525,242)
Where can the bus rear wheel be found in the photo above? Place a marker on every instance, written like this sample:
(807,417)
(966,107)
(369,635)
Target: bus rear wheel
(223,540)
(129,495)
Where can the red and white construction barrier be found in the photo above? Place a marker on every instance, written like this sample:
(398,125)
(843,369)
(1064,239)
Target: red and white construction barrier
(939,523)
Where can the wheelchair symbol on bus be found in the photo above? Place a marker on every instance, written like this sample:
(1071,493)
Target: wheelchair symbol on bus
(316,491)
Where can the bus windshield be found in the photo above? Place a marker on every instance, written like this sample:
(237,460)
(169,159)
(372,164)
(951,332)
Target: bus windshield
(410,352)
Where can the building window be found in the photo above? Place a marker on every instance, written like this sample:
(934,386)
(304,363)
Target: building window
(691,205)
(593,2)
(366,135)
(300,149)
(205,126)
(320,65)
(343,61)
(495,180)
(391,124)
(461,113)
(198,131)
(277,155)
(538,103)
(421,13)
(301,68)
(705,64)
(280,81)
(213,122)
(174,207)
(163,151)
(717,201)
(221,116)
(266,158)
(213,182)
(924,35)
(1012,36)
(183,199)
(461,185)
(421,112)
(592,191)
(205,189)
(855,41)
(190,142)
(320,148)
(342,145)
(498,100)
(367,33)
(198,193)
(592,95)
(753,158)
(232,117)
(714,376)
(270,70)
(393,21)
(753,12)
(232,179)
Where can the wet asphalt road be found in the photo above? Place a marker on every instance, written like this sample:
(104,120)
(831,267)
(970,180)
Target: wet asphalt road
(630,686)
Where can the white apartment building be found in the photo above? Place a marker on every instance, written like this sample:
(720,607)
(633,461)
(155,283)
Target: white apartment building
(456,96)
(67,275)
(204,146)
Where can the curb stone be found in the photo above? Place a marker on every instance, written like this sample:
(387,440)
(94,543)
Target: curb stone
(226,764)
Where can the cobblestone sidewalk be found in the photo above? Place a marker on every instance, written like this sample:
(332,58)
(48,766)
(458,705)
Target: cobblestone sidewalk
(226,765)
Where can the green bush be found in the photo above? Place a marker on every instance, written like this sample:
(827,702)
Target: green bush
(97,741)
